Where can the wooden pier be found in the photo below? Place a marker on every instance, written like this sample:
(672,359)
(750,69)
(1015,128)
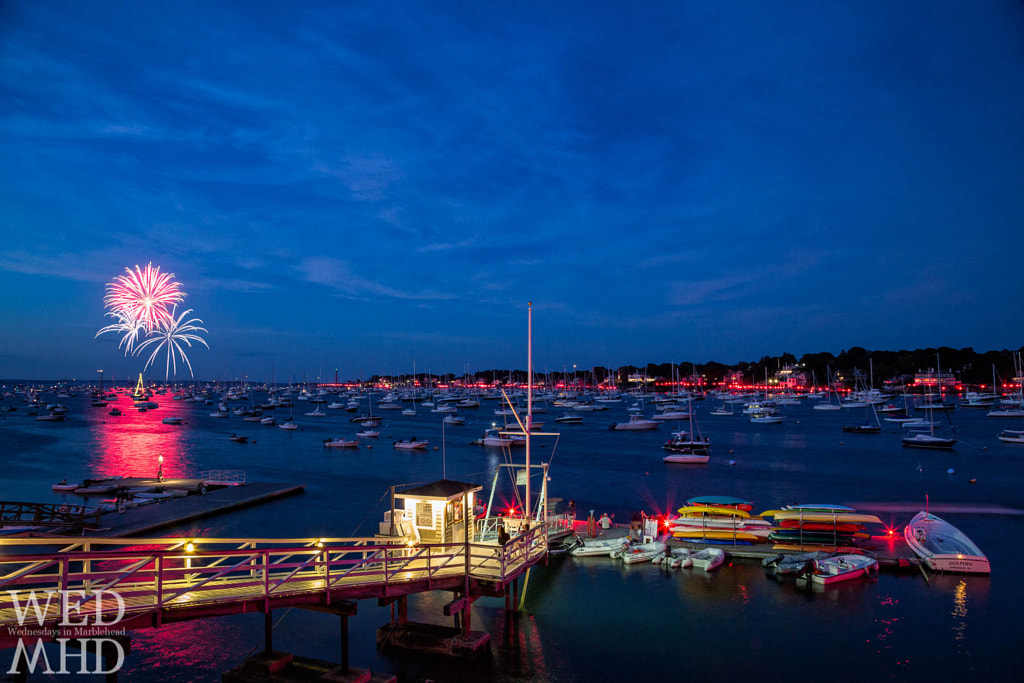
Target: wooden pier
(202,501)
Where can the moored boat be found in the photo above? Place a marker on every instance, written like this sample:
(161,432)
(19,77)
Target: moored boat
(587,547)
(636,423)
(412,444)
(1012,436)
(943,547)
(841,568)
(341,442)
(708,558)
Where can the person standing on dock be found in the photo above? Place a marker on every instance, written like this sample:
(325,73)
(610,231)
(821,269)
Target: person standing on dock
(503,536)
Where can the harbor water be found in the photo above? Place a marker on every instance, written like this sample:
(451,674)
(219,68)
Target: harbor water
(587,619)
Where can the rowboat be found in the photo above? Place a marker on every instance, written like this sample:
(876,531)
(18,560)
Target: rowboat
(708,558)
(842,568)
(641,552)
(943,547)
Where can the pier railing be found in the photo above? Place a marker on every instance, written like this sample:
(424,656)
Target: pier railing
(161,576)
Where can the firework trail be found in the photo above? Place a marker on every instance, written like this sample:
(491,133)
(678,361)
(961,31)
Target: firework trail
(143,304)
(170,336)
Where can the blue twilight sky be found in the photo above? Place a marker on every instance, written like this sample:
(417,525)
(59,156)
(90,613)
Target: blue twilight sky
(358,185)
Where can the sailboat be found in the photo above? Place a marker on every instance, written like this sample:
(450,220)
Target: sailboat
(832,389)
(1011,407)
(556,526)
(289,425)
(411,412)
(929,440)
(866,427)
(688,448)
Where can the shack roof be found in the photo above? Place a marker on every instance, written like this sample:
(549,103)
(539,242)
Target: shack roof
(443,489)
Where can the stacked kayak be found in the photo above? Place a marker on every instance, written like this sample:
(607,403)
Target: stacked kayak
(709,523)
(835,526)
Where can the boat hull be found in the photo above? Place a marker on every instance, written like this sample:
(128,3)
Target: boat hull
(943,547)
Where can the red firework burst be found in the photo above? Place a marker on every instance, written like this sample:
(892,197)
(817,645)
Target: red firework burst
(144,295)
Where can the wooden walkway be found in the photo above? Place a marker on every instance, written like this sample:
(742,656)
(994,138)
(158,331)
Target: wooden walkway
(164,580)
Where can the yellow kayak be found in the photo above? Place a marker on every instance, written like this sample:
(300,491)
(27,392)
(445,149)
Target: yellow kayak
(712,511)
(841,517)
(718,534)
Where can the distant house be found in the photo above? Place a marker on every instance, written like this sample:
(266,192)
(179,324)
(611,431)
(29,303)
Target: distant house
(933,379)
(791,377)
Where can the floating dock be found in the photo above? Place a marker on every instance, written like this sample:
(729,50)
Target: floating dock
(147,518)
(892,552)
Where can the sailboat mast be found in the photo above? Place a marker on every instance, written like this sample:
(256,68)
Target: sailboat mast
(529,399)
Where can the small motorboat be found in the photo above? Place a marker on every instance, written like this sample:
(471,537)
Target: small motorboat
(839,568)
(782,564)
(216,413)
(586,547)
(1011,436)
(708,558)
(767,418)
(341,443)
(454,420)
(412,444)
(268,420)
(865,428)
(569,419)
(237,438)
(943,547)
(367,434)
(288,426)
(172,420)
(636,423)
(65,486)
(51,417)
(687,458)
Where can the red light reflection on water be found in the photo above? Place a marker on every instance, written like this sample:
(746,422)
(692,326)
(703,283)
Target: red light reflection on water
(131,444)
(193,650)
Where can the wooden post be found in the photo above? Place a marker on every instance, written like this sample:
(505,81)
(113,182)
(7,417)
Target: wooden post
(344,644)
(268,631)
(465,590)
(403,610)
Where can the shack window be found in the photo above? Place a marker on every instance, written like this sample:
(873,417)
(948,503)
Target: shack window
(424,515)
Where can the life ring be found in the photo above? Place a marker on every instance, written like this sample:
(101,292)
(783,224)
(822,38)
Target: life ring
(202,489)
(121,507)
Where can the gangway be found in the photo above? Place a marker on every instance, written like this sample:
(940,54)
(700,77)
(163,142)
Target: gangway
(164,580)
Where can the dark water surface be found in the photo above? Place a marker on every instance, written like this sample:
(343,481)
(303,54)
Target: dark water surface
(592,619)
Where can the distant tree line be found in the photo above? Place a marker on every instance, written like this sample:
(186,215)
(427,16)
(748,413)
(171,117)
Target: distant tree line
(969,366)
